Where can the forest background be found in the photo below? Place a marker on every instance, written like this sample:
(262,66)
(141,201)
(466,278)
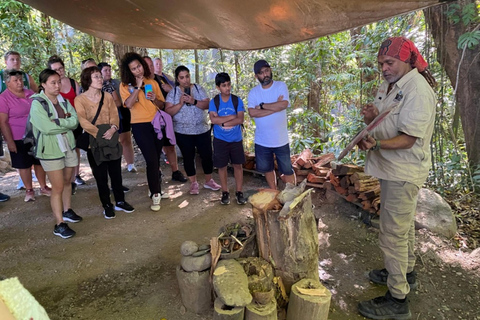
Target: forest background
(329,79)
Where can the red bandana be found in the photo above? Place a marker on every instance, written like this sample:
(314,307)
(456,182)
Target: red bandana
(405,50)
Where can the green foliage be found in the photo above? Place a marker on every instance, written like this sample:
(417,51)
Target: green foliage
(469,39)
(469,15)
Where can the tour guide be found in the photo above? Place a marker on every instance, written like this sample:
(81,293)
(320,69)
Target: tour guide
(399,156)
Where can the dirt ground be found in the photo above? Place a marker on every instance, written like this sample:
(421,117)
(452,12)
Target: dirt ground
(125,268)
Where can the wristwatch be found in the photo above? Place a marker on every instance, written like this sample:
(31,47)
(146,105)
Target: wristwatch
(376,146)
(261,105)
(223,124)
(195,102)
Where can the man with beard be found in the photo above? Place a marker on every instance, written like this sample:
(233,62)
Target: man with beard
(399,156)
(267,104)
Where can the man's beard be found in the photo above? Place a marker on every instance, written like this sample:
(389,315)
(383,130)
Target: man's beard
(266,80)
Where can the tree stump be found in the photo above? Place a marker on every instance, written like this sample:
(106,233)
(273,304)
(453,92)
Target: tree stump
(309,300)
(195,289)
(255,311)
(224,312)
(289,242)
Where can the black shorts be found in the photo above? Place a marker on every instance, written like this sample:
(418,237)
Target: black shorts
(166,141)
(21,159)
(223,152)
(125,121)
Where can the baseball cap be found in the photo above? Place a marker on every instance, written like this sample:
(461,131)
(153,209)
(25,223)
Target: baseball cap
(259,65)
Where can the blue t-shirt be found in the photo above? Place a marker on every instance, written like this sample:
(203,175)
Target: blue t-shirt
(228,134)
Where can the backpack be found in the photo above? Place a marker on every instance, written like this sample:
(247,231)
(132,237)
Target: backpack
(29,136)
(72,83)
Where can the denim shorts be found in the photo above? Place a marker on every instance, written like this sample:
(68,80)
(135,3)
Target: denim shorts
(265,161)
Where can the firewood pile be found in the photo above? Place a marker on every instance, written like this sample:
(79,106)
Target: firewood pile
(249,161)
(313,168)
(351,182)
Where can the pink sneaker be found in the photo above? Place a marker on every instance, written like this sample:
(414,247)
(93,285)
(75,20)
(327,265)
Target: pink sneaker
(212,185)
(194,188)
(47,191)
(29,195)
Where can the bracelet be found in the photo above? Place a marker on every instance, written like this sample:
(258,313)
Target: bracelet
(114,127)
(376,146)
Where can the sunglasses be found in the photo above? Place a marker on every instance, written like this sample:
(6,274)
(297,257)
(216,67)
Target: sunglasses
(15,73)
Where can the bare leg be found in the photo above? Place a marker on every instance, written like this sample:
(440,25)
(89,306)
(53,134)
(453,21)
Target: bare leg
(238,173)
(288,178)
(57,179)
(126,142)
(41,175)
(67,187)
(208,177)
(26,176)
(271,180)
(222,172)
(193,178)
(171,157)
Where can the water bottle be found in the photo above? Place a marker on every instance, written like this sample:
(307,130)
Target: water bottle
(130,88)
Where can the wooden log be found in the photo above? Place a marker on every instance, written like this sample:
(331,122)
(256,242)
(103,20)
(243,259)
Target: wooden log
(366,204)
(315,179)
(357,176)
(365,185)
(249,164)
(334,180)
(352,197)
(309,300)
(308,164)
(315,185)
(254,311)
(323,160)
(302,172)
(351,189)
(322,171)
(347,169)
(195,290)
(327,185)
(345,182)
(250,156)
(304,157)
(341,190)
(370,194)
(300,178)
(224,312)
(290,244)
(376,203)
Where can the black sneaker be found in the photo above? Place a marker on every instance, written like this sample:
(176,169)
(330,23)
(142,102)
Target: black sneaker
(79,180)
(71,216)
(225,197)
(63,230)
(4,197)
(108,211)
(124,206)
(240,198)
(74,188)
(385,307)
(125,189)
(178,176)
(380,277)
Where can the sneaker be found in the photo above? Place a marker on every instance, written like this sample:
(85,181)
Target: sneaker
(63,230)
(178,176)
(212,185)
(163,195)
(47,191)
(74,188)
(124,206)
(4,197)
(385,307)
(71,216)
(79,181)
(125,189)
(225,197)
(380,277)
(131,167)
(156,202)
(240,198)
(29,195)
(108,211)
(20,185)
(194,188)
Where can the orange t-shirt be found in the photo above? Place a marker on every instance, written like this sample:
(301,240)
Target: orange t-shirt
(143,110)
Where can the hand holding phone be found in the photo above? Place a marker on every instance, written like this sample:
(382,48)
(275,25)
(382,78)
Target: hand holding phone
(148,91)
(186,93)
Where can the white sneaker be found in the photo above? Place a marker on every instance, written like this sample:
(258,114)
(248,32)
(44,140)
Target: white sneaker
(156,202)
(131,167)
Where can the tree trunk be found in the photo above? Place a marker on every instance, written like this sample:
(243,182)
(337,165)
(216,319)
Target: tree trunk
(445,35)
(120,50)
(197,71)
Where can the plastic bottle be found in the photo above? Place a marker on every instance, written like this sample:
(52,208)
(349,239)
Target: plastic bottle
(130,88)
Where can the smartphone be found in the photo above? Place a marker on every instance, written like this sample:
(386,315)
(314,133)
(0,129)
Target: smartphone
(148,88)
(187,91)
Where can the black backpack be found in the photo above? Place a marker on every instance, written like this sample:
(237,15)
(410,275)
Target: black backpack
(29,136)
(216,101)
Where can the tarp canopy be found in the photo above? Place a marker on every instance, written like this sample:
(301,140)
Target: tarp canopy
(226,24)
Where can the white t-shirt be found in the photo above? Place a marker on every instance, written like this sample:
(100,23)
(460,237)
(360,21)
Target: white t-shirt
(270,131)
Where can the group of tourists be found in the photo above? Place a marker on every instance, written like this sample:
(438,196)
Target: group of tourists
(163,113)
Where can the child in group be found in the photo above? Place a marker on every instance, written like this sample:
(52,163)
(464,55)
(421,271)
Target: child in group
(226,113)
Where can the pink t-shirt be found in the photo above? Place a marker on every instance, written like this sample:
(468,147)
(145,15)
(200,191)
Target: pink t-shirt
(17,110)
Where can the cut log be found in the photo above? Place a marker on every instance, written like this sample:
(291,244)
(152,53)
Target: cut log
(357,176)
(366,205)
(322,171)
(315,185)
(352,198)
(309,300)
(315,179)
(195,290)
(327,185)
(323,160)
(345,182)
(347,169)
(290,244)
(256,311)
(366,185)
(308,164)
(249,165)
(224,312)
(304,157)
(300,172)
(341,190)
(334,180)
(250,156)
(376,203)
(370,194)
(351,189)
